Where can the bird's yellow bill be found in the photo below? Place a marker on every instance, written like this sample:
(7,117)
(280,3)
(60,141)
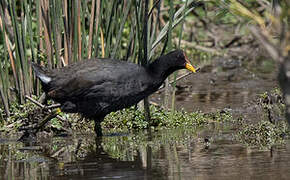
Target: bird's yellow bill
(58,110)
(190,67)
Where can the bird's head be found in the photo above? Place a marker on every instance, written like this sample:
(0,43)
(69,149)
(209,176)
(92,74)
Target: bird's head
(179,60)
(168,63)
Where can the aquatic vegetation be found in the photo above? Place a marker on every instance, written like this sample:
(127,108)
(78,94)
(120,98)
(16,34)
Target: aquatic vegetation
(263,135)
(123,120)
(19,113)
(133,118)
(272,129)
(268,132)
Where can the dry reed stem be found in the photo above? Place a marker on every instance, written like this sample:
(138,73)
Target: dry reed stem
(91,29)
(103,44)
(47,37)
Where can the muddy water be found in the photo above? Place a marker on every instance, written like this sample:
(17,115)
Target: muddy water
(207,153)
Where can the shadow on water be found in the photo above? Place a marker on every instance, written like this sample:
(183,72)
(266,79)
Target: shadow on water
(207,153)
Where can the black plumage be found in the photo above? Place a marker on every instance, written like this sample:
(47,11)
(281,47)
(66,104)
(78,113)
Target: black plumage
(97,87)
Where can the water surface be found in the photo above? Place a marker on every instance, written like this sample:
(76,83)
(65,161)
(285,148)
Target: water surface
(206,153)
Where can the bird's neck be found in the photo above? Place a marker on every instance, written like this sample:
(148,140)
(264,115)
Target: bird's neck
(161,68)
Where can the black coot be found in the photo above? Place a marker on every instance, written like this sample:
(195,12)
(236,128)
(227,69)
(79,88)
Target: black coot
(97,87)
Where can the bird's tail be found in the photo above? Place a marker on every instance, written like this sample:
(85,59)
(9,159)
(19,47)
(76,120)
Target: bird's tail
(41,73)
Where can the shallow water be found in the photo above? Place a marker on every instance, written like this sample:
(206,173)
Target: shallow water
(207,153)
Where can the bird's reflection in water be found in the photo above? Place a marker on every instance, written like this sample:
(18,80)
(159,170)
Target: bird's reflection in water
(98,164)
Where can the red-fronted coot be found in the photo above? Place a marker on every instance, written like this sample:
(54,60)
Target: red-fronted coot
(96,87)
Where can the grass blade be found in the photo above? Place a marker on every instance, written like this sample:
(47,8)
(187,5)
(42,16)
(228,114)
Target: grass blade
(175,22)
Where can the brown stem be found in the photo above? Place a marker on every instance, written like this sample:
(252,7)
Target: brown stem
(91,29)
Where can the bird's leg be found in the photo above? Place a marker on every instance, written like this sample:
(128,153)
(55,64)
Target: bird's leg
(98,127)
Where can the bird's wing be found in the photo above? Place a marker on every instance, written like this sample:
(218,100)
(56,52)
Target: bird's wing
(103,80)
(74,86)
